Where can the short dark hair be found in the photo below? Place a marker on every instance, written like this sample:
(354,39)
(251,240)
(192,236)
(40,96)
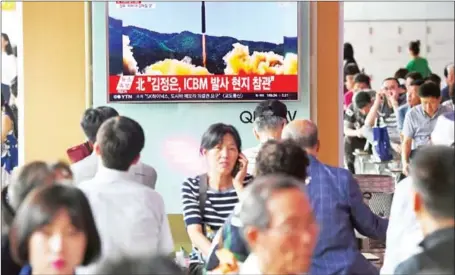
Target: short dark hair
(282,157)
(121,140)
(351,69)
(362,78)
(40,209)
(158,264)
(64,167)
(414,47)
(91,123)
(108,112)
(417,82)
(391,78)
(429,89)
(414,75)
(401,73)
(434,78)
(27,178)
(9,48)
(434,178)
(348,51)
(215,133)
(362,99)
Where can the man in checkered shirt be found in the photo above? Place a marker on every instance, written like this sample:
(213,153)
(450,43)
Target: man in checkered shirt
(339,209)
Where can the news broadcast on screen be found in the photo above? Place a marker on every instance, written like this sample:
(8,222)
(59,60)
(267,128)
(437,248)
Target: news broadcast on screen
(154,56)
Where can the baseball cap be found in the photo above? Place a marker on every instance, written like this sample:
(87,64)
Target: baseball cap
(271,107)
(362,99)
(443,132)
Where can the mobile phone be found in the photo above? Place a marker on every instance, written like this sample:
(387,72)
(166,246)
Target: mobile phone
(79,152)
(236,168)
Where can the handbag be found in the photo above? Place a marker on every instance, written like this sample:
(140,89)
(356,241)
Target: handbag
(382,150)
(199,268)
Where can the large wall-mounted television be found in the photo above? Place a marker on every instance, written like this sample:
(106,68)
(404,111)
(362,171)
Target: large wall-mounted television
(202,51)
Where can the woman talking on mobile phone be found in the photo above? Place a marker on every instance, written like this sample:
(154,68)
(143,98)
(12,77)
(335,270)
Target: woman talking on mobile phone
(208,199)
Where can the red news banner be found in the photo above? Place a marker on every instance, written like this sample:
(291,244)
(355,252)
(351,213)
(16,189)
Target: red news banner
(158,84)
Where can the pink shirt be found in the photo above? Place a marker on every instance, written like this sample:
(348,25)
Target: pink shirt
(348,98)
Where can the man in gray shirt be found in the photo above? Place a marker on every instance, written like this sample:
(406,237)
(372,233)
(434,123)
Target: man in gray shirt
(384,108)
(270,118)
(420,121)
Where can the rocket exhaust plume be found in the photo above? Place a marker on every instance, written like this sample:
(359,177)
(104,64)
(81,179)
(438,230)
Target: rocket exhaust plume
(204,52)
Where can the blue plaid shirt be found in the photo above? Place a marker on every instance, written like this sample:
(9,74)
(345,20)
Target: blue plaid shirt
(339,209)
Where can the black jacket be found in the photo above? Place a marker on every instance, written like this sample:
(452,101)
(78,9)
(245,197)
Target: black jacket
(437,254)
(9,267)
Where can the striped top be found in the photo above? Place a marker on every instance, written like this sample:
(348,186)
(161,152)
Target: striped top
(218,206)
(387,117)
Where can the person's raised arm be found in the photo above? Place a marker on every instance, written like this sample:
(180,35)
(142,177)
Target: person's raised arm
(373,113)
(365,221)
(392,97)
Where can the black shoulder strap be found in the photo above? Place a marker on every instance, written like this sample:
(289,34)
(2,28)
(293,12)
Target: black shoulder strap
(203,186)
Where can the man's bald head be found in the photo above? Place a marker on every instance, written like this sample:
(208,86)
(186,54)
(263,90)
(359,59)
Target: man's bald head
(303,131)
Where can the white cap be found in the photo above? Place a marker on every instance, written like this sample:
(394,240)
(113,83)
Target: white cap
(443,133)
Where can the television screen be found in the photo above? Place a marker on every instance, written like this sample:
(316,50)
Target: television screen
(202,51)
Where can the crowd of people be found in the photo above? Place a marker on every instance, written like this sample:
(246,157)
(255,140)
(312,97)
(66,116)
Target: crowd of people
(289,214)
(9,151)
(275,208)
(408,104)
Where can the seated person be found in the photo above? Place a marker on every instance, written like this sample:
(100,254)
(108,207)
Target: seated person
(434,78)
(404,232)
(410,77)
(450,81)
(412,99)
(354,119)
(282,157)
(361,82)
(279,226)
(350,70)
(269,121)
(433,199)
(451,102)
(401,73)
(384,111)
(337,249)
(420,121)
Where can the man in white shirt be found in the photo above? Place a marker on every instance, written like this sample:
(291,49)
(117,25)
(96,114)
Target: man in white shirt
(269,121)
(404,232)
(86,169)
(130,217)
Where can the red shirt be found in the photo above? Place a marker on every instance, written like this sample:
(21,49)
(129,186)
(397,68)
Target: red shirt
(348,98)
